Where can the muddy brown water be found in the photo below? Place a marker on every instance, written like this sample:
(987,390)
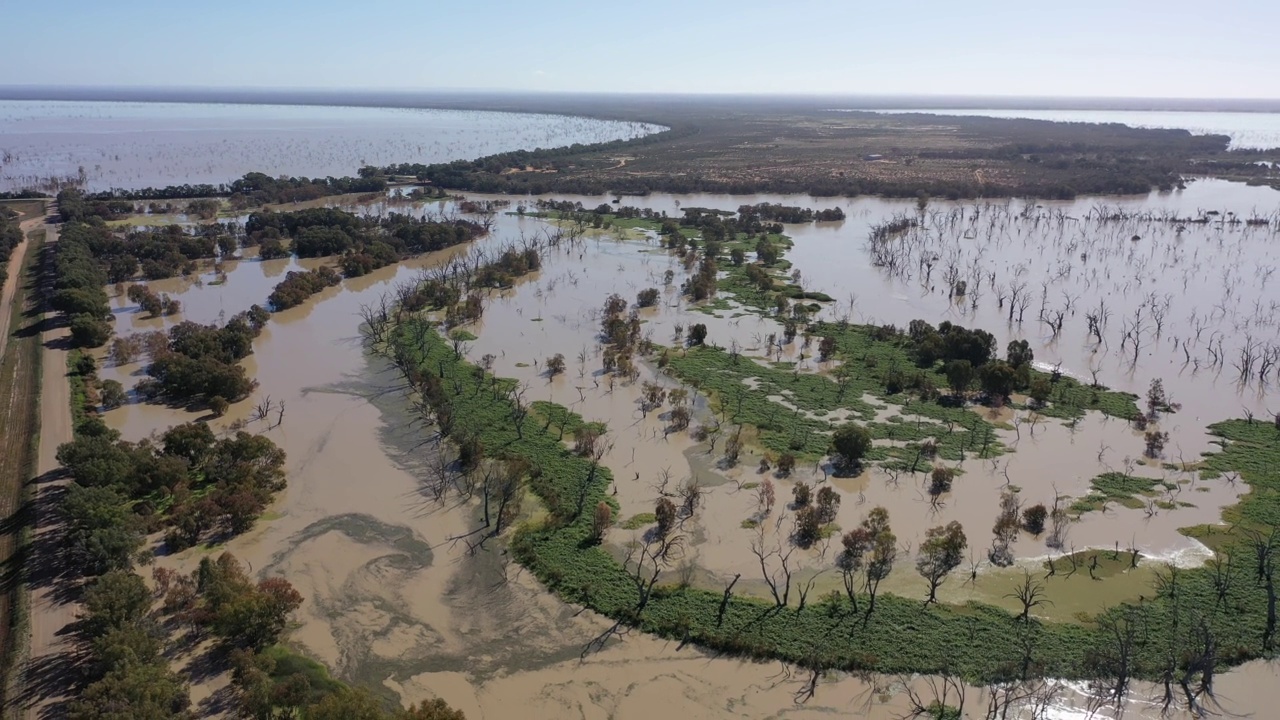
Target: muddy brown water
(397,599)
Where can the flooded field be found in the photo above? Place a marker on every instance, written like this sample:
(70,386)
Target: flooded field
(399,596)
(105,145)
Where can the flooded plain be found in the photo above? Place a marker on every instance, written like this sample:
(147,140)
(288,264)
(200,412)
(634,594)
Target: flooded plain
(105,145)
(397,596)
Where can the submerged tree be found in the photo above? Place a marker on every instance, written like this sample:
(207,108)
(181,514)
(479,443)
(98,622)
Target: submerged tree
(940,553)
(849,444)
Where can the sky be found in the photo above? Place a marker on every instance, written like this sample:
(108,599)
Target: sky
(1117,48)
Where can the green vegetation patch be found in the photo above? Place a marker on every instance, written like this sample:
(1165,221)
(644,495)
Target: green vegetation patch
(805,431)
(1128,490)
(635,522)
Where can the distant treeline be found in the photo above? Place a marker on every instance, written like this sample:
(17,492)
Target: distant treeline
(443,174)
(24,194)
(768,212)
(1087,177)
(365,243)
(1053,160)
(253,189)
(773,212)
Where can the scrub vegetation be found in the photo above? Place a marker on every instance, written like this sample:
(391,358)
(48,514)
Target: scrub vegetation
(788,147)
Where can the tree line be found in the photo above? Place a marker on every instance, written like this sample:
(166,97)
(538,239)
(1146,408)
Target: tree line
(253,189)
(777,212)
(10,238)
(365,243)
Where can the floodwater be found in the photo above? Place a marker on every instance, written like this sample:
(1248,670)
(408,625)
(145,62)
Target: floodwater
(133,145)
(1210,283)
(1247,130)
(400,597)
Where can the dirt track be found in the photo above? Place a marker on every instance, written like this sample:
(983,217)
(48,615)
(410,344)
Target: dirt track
(52,609)
(19,385)
(12,279)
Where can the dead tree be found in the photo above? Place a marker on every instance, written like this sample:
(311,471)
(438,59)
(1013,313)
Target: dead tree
(1111,664)
(646,561)
(1030,593)
(724,601)
(944,691)
(777,578)
(1264,552)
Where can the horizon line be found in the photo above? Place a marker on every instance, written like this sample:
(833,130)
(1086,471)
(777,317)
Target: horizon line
(398,97)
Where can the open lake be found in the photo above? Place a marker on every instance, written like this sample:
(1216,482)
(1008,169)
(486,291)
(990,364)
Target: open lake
(135,145)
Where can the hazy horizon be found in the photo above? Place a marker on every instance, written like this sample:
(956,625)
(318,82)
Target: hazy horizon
(1096,50)
(408,97)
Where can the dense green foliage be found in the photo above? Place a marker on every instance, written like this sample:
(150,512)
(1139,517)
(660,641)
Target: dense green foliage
(78,284)
(298,286)
(253,189)
(73,206)
(10,236)
(365,243)
(1126,489)
(804,431)
(776,212)
(192,482)
(1251,449)
(129,677)
(200,361)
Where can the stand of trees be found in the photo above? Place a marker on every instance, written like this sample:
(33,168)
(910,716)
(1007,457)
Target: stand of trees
(200,360)
(159,254)
(78,285)
(967,355)
(74,206)
(1184,632)
(10,237)
(298,286)
(365,243)
(191,482)
(776,212)
(253,189)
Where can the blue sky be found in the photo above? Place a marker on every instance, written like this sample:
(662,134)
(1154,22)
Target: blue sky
(1117,48)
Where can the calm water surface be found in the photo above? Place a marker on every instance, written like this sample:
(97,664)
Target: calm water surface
(134,145)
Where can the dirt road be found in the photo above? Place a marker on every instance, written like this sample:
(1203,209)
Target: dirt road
(7,311)
(53,608)
(20,357)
